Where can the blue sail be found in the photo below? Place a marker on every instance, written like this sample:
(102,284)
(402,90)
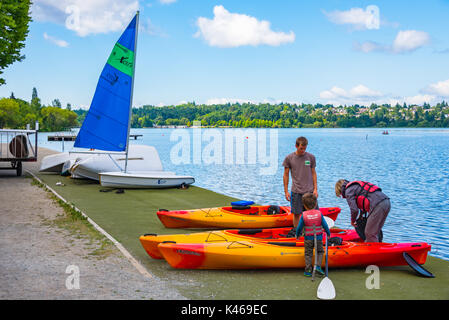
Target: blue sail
(107,121)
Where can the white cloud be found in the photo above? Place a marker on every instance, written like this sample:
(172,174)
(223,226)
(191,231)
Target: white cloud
(363,95)
(58,42)
(167,1)
(361,91)
(405,42)
(358,18)
(359,94)
(252,101)
(440,88)
(151,29)
(369,46)
(418,99)
(228,30)
(226,100)
(86,17)
(410,40)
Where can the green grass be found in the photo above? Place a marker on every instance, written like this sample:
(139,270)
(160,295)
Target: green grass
(131,214)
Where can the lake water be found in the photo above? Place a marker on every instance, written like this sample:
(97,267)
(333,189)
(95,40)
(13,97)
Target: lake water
(410,165)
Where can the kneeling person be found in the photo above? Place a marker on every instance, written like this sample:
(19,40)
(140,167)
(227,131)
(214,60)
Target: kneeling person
(310,219)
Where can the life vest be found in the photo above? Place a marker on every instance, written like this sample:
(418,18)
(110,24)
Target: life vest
(312,218)
(362,197)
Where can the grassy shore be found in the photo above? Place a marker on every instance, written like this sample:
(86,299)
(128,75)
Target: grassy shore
(127,216)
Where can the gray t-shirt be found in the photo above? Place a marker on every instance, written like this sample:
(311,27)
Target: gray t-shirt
(301,171)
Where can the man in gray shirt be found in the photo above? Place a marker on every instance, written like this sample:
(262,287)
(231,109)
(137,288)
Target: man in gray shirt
(301,165)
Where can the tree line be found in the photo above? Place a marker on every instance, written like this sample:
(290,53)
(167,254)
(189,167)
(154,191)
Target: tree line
(285,115)
(17,113)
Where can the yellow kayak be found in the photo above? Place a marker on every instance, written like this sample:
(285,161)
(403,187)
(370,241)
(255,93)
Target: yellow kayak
(151,241)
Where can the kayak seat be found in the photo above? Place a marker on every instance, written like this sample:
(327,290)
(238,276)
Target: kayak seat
(283,244)
(250,231)
(243,209)
(273,210)
(335,241)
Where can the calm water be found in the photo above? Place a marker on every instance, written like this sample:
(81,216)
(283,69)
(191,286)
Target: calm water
(410,165)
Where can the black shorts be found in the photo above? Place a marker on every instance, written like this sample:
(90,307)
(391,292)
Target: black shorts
(296,203)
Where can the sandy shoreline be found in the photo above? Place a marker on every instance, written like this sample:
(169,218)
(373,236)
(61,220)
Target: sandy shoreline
(37,246)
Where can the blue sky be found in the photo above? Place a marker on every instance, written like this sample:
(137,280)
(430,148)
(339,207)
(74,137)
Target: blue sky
(339,52)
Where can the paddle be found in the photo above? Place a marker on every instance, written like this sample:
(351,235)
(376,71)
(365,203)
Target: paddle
(416,266)
(326,289)
(315,244)
(330,224)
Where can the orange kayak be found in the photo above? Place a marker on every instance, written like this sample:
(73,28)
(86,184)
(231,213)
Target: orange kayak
(151,241)
(230,217)
(263,255)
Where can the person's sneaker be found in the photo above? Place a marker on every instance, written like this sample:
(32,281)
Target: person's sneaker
(307,274)
(320,271)
(291,233)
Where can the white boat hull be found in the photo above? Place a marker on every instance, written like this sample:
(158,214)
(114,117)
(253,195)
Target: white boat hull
(155,180)
(56,162)
(140,158)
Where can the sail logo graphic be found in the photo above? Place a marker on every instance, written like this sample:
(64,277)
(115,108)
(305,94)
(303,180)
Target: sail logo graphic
(110,78)
(122,59)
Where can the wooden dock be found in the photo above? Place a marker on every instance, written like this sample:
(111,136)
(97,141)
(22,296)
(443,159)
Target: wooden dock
(73,137)
(62,138)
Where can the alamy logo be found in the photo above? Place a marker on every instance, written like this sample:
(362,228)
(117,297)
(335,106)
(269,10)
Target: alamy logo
(373,21)
(373,281)
(73,280)
(214,146)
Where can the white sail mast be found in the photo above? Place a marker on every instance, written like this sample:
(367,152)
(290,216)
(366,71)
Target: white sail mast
(132,90)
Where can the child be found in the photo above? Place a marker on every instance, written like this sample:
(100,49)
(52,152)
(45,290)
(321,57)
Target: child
(310,218)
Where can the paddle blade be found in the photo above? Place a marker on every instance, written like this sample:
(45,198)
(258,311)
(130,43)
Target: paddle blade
(416,266)
(326,290)
(329,221)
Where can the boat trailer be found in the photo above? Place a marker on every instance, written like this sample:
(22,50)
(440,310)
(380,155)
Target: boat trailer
(16,147)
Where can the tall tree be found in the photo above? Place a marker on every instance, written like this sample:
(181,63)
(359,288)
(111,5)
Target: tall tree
(56,103)
(14,20)
(34,94)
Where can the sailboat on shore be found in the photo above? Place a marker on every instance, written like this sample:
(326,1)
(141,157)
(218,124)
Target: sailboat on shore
(107,126)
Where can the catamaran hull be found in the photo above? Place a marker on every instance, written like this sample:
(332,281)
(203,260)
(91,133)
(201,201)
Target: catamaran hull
(143,180)
(140,158)
(58,162)
(54,162)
